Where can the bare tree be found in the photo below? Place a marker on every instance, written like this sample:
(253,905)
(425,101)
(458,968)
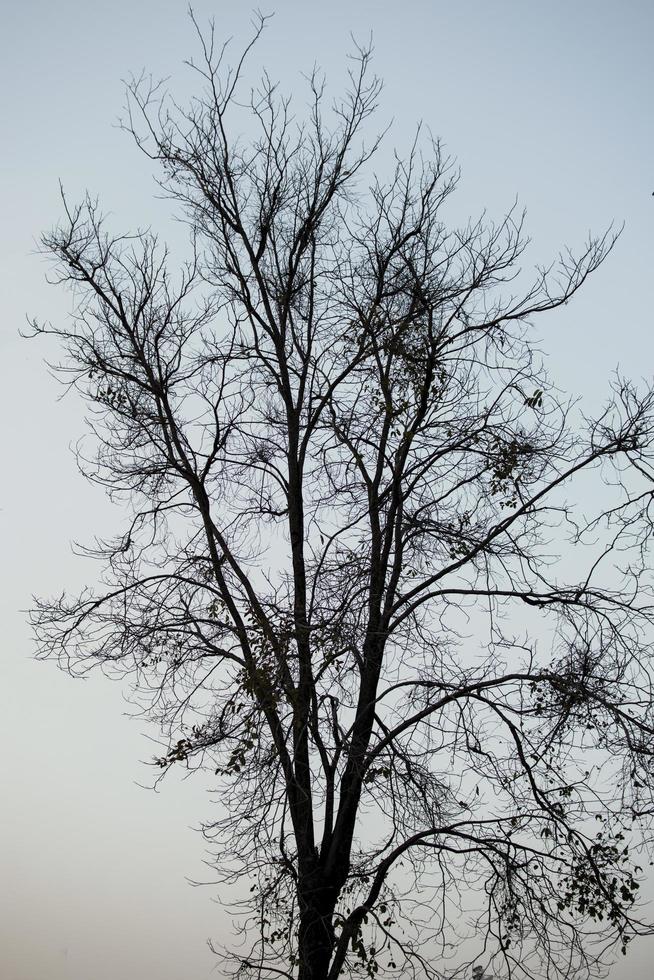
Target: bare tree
(339,589)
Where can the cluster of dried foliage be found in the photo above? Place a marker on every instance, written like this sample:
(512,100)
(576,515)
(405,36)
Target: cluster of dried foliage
(349,477)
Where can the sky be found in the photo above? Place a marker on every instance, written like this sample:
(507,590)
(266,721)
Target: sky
(547,102)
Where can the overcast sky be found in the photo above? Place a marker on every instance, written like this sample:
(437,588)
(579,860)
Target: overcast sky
(550,101)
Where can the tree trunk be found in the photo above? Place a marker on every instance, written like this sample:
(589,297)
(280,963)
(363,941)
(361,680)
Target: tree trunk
(316,931)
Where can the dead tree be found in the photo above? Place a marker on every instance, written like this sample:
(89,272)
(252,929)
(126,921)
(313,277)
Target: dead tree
(340,589)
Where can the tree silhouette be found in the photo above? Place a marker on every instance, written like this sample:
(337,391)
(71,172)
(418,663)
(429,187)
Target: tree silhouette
(339,589)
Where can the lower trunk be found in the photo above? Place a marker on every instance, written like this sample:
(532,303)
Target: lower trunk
(316,931)
(314,961)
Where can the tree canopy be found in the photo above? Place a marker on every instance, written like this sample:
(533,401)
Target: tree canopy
(364,584)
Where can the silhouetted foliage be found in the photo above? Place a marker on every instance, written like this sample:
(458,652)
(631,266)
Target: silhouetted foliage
(340,589)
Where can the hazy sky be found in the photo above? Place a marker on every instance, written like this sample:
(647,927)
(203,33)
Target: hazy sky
(550,101)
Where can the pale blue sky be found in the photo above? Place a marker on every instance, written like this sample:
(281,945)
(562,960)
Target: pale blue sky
(549,101)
